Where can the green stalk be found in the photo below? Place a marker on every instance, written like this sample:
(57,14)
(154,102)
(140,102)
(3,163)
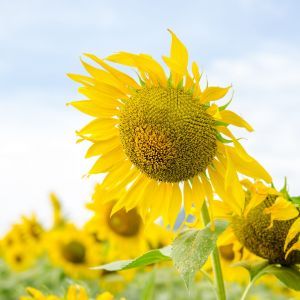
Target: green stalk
(217,269)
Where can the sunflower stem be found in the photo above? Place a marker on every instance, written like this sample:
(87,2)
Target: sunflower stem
(217,269)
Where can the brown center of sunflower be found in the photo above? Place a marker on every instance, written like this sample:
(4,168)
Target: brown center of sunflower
(124,223)
(74,252)
(167,134)
(253,232)
(227,252)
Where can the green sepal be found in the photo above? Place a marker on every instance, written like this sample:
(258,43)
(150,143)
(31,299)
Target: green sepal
(222,139)
(223,107)
(289,276)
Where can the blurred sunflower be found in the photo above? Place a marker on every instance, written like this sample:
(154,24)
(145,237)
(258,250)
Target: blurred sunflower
(162,132)
(232,251)
(75,251)
(23,243)
(20,257)
(124,230)
(270,224)
(75,292)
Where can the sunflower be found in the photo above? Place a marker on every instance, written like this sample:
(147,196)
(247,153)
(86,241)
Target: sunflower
(75,292)
(269,225)
(163,138)
(74,250)
(20,257)
(124,230)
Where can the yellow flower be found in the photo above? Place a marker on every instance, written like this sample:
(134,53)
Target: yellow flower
(124,230)
(231,252)
(165,138)
(20,257)
(23,243)
(75,251)
(75,292)
(269,226)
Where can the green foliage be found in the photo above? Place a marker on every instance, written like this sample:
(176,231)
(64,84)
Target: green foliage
(192,248)
(289,276)
(149,258)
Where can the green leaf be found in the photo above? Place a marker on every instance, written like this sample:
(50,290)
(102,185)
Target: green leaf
(289,276)
(295,200)
(151,257)
(254,268)
(192,248)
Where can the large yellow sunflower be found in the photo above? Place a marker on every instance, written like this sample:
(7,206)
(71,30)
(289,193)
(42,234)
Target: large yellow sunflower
(75,251)
(162,138)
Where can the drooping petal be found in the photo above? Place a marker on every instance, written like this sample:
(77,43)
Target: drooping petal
(281,210)
(233,185)
(249,168)
(293,232)
(232,118)
(122,77)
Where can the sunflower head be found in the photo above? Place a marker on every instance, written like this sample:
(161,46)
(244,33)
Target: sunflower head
(167,134)
(265,228)
(74,252)
(156,131)
(125,224)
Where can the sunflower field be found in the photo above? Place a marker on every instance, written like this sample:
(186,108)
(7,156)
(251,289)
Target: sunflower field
(179,210)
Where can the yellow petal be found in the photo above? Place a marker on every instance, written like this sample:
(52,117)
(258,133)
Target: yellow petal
(94,109)
(176,204)
(85,80)
(255,200)
(249,168)
(238,147)
(198,195)
(165,205)
(145,64)
(233,185)
(120,76)
(35,293)
(103,147)
(232,118)
(281,210)
(102,75)
(178,54)
(293,232)
(196,72)
(213,93)
(187,196)
(107,161)
(105,296)
(295,247)
(209,196)
(82,294)
(72,292)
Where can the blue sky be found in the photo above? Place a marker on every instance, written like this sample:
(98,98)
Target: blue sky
(255,45)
